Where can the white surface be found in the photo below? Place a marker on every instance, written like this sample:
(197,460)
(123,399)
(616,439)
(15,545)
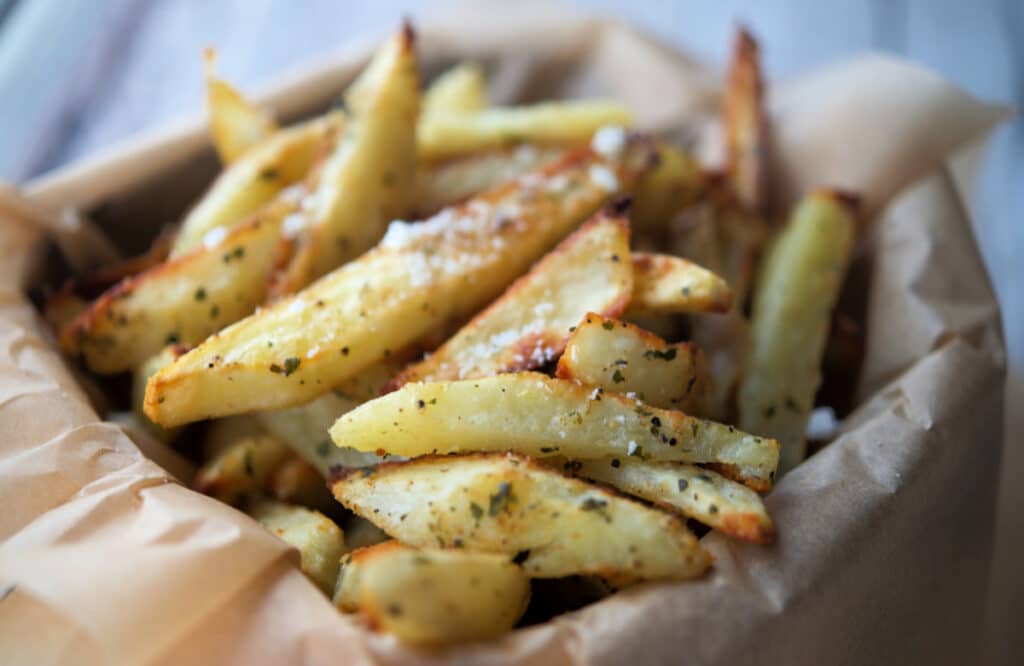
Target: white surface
(77,75)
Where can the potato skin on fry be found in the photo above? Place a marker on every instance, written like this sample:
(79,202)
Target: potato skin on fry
(528,325)
(433,597)
(420,276)
(667,284)
(540,416)
(620,357)
(798,289)
(510,504)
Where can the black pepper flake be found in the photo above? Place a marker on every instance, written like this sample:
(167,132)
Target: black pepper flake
(548,449)
(421,404)
(394,610)
(171,339)
(655,421)
(598,505)
(683,484)
(617,376)
(572,329)
(615,258)
(769,411)
(607,325)
(344,351)
(215,312)
(269,174)
(615,463)
(521,556)
(323,448)
(672,441)
(457,542)
(712,509)
(572,466)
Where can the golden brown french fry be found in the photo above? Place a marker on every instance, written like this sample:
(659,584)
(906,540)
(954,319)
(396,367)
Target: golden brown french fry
(797,290)
(746,126)
(623,358)
(236,124)
(461,88)
(182,300)
(295,481)
(369,179)
(453,181)
(572,123)
(319,541)
(664,284)
(140,376)
(510,504)
(529,324)
(675,183)
(698,493)
(256,178)
(534,414)
(433,596)
(241,469)
(420,276)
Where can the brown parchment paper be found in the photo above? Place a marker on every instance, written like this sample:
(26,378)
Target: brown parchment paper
(885,536)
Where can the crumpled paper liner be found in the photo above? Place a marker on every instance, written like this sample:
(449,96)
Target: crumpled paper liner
(885,536)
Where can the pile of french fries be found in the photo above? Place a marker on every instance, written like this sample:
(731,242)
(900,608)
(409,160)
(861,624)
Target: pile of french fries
(436,412)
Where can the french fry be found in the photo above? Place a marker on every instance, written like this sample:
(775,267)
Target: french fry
(180,301)
(529,324)
(433,597)
(443,135)
(453,181)
(746,127)
(236,124)
(140,376)
(295,481)
(461,88)
(256,178)
(418,277)
(241,469)
(304,429)
(540,416)
(319,541)
(676,182)
(510,504)
(620,357)
(698,493)
(369,179)
(797,290)
(665,284)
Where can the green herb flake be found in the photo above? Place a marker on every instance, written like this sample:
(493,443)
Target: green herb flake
(476,510)
(323,448)
(291,364)
(200,294)
(617,376)
(607,325)
(597,505)
(249,470)
(500,500)
(269,174)
(667,355)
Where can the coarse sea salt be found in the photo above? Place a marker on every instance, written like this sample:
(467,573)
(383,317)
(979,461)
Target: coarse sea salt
(292,225)
(603,177)
(399,234)
(214,237)
(609,141)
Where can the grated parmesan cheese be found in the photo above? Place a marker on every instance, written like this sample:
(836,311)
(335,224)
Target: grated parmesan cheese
(609,141)
(604,178)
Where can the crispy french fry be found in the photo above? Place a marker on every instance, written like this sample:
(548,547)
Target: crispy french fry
(140,376)
(369,179)
(420,276)
(320,542)
(236,124)
(540,416)
(746,127)
(676,182)
(180,301)
(304,429)
(573,123)
(698,493)
(453,181)
(460,88)
(510,504)
(620,357)
(663,284)
(295,481)
(241,469)
(797,290)
(529,324)
(256,178)
(433,596)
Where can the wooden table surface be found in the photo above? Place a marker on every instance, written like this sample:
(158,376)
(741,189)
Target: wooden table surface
(79,75)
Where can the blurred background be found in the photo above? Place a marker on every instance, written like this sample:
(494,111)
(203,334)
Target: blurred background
(78,76)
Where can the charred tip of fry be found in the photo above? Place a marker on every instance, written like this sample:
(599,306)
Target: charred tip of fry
(209,59)
(744,42)
(620,205)
(408,33)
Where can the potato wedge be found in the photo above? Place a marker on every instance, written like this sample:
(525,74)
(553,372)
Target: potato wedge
(256,178)
(675,183)
(663,284)
(453,181)
(510,504)
(534,414)
(571,123)
(796,293)
(529,324)
(140,376)
(461,88)
(698,493)
(433,597)
(241,469)
(320,542)
(623,358)
(420,276)
(295,481)
(369,179)
(180,301)
(304,429)
(236,124)
(746,126)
